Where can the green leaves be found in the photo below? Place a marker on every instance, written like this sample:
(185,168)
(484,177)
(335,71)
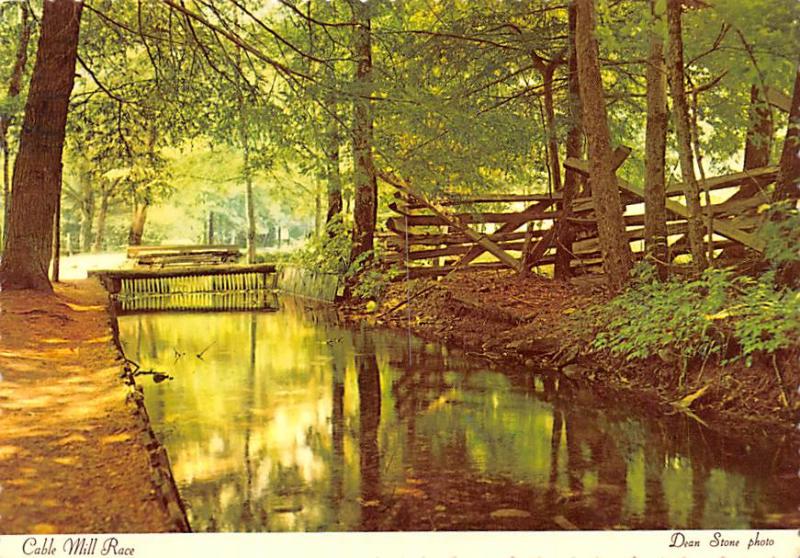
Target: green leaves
(697,318)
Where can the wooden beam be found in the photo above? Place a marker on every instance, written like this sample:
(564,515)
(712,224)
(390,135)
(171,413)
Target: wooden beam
(720,227)
(455,250)
(182,248)
(763,175)
(778,99)
(399,239)
(455,199)
(417,272)
(536,254)
(534,212)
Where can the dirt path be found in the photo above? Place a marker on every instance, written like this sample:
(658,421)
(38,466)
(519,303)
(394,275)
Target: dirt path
(73,455)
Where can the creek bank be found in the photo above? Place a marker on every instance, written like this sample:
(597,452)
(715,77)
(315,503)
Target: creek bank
(504,319)
(77,453)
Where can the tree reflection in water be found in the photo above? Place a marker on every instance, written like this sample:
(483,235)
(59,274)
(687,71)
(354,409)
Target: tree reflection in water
(293,423)
(369,414)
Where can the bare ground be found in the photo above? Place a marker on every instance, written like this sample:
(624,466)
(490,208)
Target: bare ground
(72,446)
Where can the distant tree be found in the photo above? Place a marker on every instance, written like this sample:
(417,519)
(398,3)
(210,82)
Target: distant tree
(36,184)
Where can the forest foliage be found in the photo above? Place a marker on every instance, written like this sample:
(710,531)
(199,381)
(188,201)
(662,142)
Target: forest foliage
(245,122)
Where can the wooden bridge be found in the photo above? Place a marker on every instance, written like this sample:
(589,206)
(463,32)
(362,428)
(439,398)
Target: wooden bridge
(437,236)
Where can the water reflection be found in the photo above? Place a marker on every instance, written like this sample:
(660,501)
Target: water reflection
(287,422)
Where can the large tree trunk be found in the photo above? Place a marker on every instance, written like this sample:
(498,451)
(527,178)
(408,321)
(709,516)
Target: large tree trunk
(574,147)
(366,187)
(684,135)
(102,214)
(617,258)
(36,183)
(14,87)
(787,187)
(655,216)
(138,219)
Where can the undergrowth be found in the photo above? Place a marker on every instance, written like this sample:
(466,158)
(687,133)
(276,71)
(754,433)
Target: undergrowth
(330,253)
(719,313)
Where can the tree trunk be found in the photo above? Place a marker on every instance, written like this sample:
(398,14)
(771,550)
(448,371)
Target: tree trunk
(317,208)
(787,187)
(684,136)
(36,184)
(655,216)
(87,205)
(366,186)
(574,146)
(14,87)
(250,202)
(100,233)
(138,219)
(333,174)
(617,258)
(547,70)
(210,229)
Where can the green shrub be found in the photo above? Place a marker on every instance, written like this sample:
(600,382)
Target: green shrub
(330,252)
(696,318)
(781,234)
(370,280)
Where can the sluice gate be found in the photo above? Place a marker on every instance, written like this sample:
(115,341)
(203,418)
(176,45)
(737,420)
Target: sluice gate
(196,288)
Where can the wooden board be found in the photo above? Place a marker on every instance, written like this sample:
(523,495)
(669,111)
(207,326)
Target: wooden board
(182,249)
(456,199)
(720,227)
(531,213)
(764,175)
(779,99)
(433,239)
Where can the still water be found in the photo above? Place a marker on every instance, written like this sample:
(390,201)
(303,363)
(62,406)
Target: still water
(286,421)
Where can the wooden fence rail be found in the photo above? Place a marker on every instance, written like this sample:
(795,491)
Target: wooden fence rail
(494,231)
